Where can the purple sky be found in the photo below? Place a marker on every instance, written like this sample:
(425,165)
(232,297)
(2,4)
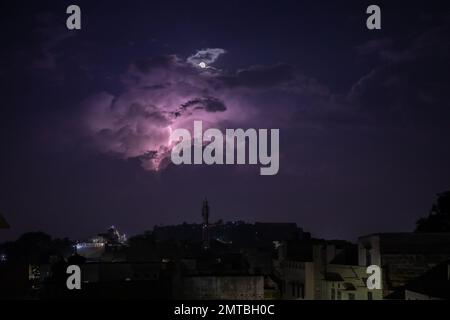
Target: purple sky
(85,119)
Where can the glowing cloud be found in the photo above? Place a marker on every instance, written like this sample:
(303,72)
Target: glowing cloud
(204,58)
(161,94)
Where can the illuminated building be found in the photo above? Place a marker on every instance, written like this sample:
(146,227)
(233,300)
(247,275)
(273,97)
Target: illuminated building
(97,246)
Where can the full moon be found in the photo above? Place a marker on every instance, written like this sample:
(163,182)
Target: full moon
(202,65)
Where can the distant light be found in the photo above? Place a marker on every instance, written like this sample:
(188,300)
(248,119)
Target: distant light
(202,65)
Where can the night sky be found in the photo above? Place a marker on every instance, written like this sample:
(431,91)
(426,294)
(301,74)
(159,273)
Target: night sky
(363,115)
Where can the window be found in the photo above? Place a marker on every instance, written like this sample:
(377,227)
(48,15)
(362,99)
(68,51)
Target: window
(368,258)
(351,296)
(333,294)
(369,296)
(299,293)
(339,295)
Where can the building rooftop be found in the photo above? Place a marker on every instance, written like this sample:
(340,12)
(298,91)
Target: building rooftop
(404,242)
(434,283)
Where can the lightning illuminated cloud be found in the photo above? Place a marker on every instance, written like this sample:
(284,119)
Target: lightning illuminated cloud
(164,93)
(160,94)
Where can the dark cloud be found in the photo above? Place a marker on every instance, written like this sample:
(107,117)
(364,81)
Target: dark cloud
(156,86)
(147,65)
(375,46)
(261,76)
(411,86)
(209,104)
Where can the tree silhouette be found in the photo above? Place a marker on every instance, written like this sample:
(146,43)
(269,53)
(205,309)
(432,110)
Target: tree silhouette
(438,219)
(35,248)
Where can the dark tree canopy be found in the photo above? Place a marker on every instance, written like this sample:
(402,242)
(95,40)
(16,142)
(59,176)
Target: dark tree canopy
(36,247)
(438,220)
